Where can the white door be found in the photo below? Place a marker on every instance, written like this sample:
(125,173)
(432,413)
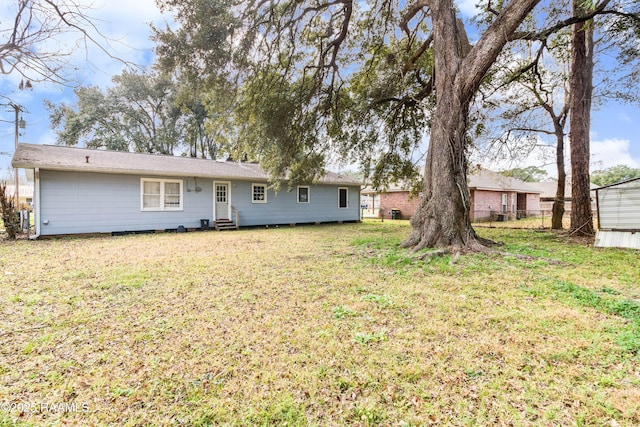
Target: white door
(222,201)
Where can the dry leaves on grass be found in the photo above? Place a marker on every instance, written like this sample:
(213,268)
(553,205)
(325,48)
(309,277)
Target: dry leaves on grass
(298,326)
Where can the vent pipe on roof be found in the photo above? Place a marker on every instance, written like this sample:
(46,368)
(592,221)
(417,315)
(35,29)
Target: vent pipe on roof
(86,158)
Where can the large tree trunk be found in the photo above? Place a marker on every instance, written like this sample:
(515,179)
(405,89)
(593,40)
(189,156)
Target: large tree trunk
(558,203)
(443,218)
(581,88)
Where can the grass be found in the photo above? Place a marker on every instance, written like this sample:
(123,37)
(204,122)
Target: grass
(322,325)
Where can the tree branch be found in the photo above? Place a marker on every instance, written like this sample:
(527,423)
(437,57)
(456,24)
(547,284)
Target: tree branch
(544,34)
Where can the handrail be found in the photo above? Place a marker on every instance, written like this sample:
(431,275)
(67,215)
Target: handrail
(237,215)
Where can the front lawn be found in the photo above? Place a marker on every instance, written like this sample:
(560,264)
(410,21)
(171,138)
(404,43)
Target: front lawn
(318,325)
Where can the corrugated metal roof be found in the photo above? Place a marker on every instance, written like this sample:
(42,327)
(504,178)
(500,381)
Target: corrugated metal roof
(56,157)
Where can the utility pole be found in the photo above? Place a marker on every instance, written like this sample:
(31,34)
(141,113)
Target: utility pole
(15,171)
(18,124)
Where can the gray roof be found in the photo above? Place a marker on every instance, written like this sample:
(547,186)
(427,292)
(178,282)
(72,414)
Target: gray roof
(477,179)
(56,157)
(548,188)
(484,179)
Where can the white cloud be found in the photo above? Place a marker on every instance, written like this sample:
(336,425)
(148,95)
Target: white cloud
(604,154)
(121,28)
(468,7)
(612,152)
(624,117)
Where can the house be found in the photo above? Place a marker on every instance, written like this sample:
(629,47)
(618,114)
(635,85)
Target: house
(397,197)
(78,190)
(25,193)
(498,197)
(548,195)
(493,196)
(619,215)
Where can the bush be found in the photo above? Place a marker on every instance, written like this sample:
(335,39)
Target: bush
(9,213)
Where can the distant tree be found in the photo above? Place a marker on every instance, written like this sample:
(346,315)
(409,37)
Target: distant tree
(614,175)
(535,105)
(138,113)
(526,174)
(197,140)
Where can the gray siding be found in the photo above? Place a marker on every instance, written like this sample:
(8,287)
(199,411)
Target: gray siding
(619,206)
(76,202)
(284,208)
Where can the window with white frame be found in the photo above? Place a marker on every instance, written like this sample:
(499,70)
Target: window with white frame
(259,193)
(343,198)
(161,194)
(303,194)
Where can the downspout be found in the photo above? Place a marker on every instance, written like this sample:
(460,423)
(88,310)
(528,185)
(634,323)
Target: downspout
(36,201)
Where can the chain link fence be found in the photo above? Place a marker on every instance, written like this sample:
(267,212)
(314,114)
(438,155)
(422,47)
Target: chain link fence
(538,219)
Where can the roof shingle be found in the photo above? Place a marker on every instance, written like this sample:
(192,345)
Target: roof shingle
(56,157)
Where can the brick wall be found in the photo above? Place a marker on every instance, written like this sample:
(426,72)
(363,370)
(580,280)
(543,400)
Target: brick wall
(399,200)
(484,202)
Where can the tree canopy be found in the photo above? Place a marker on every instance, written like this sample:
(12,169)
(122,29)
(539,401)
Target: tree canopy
(141,112)
(367,82)
(526,174)
(614,175)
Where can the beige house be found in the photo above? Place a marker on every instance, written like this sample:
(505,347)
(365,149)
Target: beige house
(25,192)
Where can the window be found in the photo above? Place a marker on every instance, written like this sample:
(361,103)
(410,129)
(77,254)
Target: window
(504,203)
(161,194)
(303,194)
(259,193)
(343,198)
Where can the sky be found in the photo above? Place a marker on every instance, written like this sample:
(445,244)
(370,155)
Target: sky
(615,126)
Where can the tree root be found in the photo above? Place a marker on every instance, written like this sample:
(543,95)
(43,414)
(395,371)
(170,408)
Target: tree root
(428,256)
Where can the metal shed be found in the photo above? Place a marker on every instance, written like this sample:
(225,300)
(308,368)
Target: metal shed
(619,215)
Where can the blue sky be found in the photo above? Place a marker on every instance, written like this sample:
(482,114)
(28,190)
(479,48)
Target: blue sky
(615,126)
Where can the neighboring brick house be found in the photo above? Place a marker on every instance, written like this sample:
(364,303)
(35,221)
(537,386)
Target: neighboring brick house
(493,197)
(395,197)
(497,197)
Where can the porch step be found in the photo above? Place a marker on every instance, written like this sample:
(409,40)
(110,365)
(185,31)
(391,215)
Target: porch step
(224,224)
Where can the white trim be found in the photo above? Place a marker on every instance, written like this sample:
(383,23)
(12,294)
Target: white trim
(308,194)
(228,184)
(161,207)
(346,198)
(36,202)
(253,186)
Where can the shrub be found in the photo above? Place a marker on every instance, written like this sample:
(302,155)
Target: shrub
(9,213)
